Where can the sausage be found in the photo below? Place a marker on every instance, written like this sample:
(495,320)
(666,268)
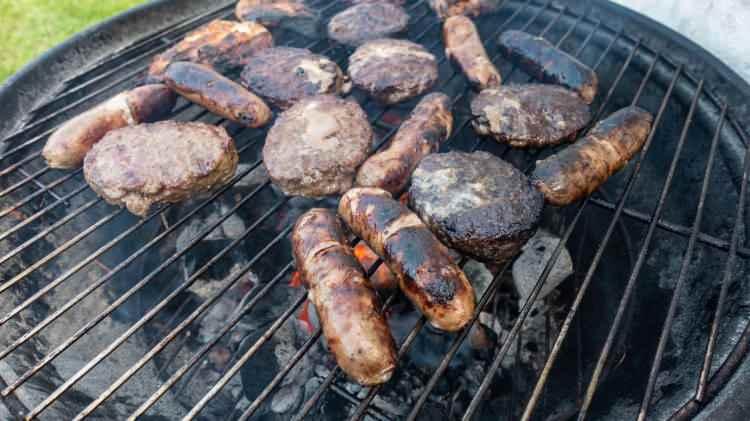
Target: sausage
(463,46)
(68,145)
(428,126)
(425,271)
(447,8)
(578,170)
(347,307)
(224,45)
(544,61)
(205,86)
(383,278)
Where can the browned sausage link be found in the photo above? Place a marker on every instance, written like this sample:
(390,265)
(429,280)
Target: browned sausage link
(426,273)
(347,307)
(68,145)
(463,45)
(447,8)
(218,94)
(224,45)
(578,170)
(427,127)
(541,59)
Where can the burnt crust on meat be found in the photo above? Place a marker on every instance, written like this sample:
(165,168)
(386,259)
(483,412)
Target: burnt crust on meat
(476,203)
(529,116)
(367,21)
(287,14)
(547,63)
(284,75)
(348,308)
(315,147)
(164,162)
(220,95)
(393,70)
(578,170)
(226,46)
(428,126)
(425,270)
(464,46)
(447,8)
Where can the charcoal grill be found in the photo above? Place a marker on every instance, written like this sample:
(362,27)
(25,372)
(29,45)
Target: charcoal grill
(182,314)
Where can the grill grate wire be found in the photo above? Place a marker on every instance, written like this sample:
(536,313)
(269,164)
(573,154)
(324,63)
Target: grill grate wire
(143,49)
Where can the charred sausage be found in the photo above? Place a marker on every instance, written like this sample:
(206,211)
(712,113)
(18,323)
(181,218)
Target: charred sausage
(205,86)
(579,169)
(541,59)
(224,45)
(422,133)
(447,8)
(347,307)
(69,144)
(463,45)
(425,271)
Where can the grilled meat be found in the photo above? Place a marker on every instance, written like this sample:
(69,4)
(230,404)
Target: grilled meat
(392,70)
(286,14)
(383,278)
(367,21)
(464,47)
(448,8)
(422,133)
(284,75)
(163,162)
(476,203)
(396,2)
(348,308)
(315,147)
(221,44)
(578,170)
(426,273)
(541,59)
(68,145)
(529,116)
(208,88)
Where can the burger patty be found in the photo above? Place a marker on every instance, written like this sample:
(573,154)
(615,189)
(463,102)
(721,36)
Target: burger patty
(163,162)
(531,115)
(315,147)
(221,44)
(393,70)
(284,75)
(367,21)
(476,203)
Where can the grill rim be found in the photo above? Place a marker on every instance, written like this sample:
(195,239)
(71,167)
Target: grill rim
(686,73)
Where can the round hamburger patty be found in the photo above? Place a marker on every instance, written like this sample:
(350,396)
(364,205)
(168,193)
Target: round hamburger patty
(393,70)
(476,203)
(163,162)
(315,147)
(531,115)
(367,21)
(284,75)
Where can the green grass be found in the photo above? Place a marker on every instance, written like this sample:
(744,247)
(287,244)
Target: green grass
(29,27)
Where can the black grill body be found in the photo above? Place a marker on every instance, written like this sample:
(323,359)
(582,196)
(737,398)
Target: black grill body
(184,313)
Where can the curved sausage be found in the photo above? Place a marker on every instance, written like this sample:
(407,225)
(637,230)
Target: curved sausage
(207,87)
(578,170)
(463,45)
(347,307)
(425,271)
(70,143)
(224,45)
(428,126)
(541,59)
(447,8)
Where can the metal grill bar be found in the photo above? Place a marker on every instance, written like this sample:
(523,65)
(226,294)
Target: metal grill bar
(594,382)
(700,393)
(667,327)
(541,381)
